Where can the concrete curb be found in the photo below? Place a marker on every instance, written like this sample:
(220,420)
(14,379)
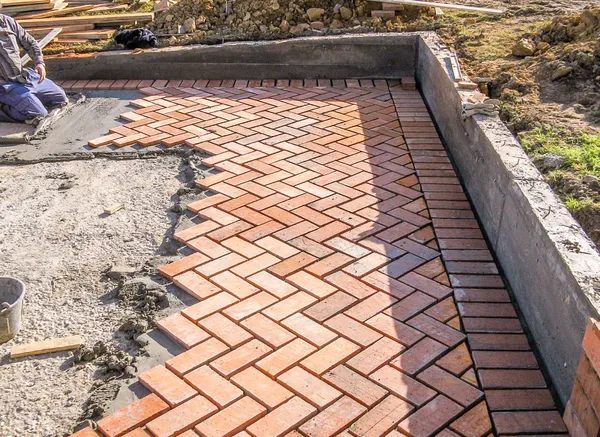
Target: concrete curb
(552,266)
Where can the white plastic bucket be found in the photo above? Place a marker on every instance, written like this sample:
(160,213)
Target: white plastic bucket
(12,292)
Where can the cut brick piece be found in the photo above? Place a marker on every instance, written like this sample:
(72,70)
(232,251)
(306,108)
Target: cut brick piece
(353,330)
(382,418)
(394,329)
(196,356)
(182,418)
(283,419)
(196,285)
(309,330)
(474,423)
(267,330)
(240,358)
(429,419)
(272,284)
(232,419)
(330,306)
(209,306)
(167,385)
(419,356)
(403,386)
(250,306)
(450,385)
(309,387)
(262,388)
(182,330)
(183,265)
(333,419)
(213,386)
(330,356)
(375,356)
(285,357)
(456,361)
(290,305)
(354,385)
(529,422)
(134,415)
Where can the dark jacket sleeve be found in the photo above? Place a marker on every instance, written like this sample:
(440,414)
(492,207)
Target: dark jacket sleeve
(26,41)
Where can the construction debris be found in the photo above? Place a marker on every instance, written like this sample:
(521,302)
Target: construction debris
(47,346)
(445,5)
(489,107)
(112,209)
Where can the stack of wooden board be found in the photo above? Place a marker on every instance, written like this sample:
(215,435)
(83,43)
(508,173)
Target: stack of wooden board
(77,29)
(39,17)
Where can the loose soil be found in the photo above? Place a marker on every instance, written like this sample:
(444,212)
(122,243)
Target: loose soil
(59,242)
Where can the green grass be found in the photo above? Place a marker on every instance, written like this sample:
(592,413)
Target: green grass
(580,151)
(577,205)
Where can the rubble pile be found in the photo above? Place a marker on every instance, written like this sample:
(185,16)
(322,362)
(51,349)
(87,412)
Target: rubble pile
(270,19)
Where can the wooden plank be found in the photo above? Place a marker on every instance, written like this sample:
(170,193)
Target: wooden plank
(21,9)
(444,5)
(47,346)
(42,43)
(60,12)
(87,19)
(86,35)
(9,3)
(40,32)
(110,8)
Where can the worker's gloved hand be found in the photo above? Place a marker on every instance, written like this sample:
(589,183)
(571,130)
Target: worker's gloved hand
(41,70)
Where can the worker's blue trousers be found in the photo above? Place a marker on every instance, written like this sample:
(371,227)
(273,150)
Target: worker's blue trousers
(20,102)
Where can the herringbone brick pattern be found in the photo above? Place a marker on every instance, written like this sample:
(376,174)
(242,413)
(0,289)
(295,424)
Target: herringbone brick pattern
(344,286)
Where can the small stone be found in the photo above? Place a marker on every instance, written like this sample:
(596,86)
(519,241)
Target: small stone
(119,272)
(66,185)
(336,24)
(298,29)
(315,13)
(190,25)
(169,18)
(523,47)
(346,13)
(561,71)
(317,25)
(549,161)
(284,26)
(592,181)
(542,46)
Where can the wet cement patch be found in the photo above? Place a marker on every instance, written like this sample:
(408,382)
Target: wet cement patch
(66,136)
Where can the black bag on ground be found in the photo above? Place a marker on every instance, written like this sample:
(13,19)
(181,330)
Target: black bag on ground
(136,38)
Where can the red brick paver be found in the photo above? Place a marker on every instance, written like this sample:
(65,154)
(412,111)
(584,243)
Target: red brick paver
(344,285)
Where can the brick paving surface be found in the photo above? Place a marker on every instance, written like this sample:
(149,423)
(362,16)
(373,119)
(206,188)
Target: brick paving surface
(344,286)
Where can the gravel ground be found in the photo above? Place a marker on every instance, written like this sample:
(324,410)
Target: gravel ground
(59,243)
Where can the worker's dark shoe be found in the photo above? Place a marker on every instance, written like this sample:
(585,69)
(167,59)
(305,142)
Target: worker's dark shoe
(60,105)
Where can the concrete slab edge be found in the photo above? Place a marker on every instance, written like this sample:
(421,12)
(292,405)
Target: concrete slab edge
(551,265)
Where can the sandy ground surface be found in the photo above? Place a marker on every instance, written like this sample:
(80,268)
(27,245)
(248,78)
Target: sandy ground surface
(59,243)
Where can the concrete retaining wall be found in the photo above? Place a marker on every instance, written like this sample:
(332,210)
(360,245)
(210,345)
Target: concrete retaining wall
(344,57)
(551,265)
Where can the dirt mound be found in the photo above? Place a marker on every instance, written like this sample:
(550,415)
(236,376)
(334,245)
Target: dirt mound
(192,21)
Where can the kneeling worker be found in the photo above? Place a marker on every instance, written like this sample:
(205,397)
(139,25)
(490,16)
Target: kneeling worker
(25,94)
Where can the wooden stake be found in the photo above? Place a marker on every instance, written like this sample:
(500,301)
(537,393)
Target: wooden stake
(43,43)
